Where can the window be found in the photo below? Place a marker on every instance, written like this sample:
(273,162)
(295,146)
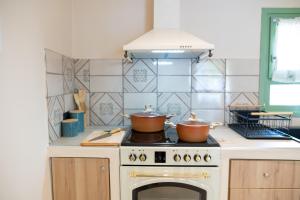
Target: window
(280,59)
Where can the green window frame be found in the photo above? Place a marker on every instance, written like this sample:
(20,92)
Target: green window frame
(266,50)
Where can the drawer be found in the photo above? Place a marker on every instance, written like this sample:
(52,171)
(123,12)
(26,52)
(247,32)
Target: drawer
(264,194)
(264,174)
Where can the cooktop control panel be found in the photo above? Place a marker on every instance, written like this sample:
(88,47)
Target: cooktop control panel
(196,156)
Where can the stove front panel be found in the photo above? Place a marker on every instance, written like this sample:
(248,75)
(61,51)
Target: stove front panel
(170,156)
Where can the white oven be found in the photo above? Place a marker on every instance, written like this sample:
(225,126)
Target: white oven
(169,183)
(169,169)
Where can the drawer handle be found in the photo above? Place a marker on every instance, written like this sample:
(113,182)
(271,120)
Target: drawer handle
(266,174)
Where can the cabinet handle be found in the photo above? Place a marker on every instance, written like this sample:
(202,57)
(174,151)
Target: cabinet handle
(266,174)
(102,168)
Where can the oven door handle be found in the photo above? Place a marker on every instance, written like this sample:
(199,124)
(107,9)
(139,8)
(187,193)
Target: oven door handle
(201,175)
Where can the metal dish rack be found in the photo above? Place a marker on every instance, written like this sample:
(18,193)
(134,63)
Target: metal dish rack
(253,123)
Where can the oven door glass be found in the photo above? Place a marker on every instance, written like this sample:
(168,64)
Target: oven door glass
(168,191)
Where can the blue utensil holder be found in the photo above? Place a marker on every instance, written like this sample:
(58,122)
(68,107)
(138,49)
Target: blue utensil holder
(70,127)
(77,114)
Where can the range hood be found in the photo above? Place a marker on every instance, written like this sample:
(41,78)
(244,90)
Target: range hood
(166,40)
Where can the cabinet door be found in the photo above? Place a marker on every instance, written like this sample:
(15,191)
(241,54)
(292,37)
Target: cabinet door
(264,174)
(80,179)
(264,194)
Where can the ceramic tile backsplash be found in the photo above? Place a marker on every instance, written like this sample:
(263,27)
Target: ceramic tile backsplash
(82,67)
(242,83)
(106,67)
(174,83)
(82,74)
(68,74)
(106,84)
(208,67)
(210,115)
(208,83)
(55,84)
(139,100)
(174,67)
(55,116)
(178,104)
(140,67)
(242,67)
(171,86)
(106,109)
(60,75)
(140,83)
(245,98)
(53,62)
(208,101)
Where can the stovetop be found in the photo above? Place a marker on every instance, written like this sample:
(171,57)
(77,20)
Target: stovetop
(166,138)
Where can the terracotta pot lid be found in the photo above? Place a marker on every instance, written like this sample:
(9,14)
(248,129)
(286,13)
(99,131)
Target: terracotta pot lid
(193,123)
(147,114)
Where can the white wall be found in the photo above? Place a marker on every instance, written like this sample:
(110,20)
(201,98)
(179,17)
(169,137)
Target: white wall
(100,27)
(232,25)
(26,28)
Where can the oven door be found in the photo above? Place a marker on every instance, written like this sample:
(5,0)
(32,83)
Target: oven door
(169,183)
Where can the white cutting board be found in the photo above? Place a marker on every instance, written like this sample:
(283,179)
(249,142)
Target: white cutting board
(113,140)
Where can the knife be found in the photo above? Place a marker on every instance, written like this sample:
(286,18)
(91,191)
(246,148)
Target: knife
(107,133)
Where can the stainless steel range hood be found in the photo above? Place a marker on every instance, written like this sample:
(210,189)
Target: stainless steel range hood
(166,40)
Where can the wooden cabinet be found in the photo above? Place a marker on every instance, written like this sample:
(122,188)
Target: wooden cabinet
(265,194)
(264,180)
(80,179)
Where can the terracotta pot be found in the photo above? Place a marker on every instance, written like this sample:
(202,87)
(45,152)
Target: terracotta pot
(192,131)
(148,122)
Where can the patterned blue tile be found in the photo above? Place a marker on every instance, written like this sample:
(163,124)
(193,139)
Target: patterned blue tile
(175,103)
(55,116)
(68,69)
(140,83)
(140,67)
(208,83)
(106,109)
(209,67)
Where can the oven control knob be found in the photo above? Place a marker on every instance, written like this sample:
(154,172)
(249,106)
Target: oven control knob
(177,157)
(207,157)
(143,157)
(132,157)
(197,158)
(187,158)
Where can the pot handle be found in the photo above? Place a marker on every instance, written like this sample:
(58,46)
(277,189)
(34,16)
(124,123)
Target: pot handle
(213,125)
(125,115)
(170,124)
(193,117)
(148,108)
(169,116)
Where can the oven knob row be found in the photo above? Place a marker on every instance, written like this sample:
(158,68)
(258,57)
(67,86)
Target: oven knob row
(133,157)
(187,158)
